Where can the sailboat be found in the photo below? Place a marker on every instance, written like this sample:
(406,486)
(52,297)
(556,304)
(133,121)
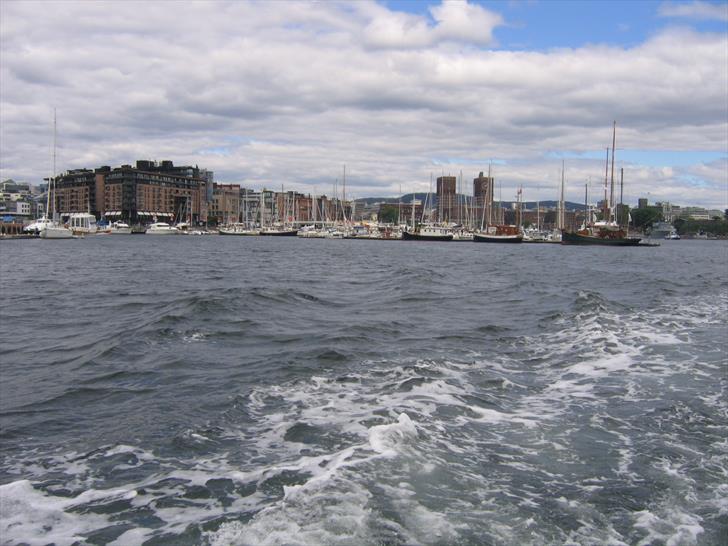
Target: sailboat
(279,229)
(425,231)
(499,233)
(606,232)
(52,229)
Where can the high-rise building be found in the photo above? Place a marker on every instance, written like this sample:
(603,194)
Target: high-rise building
(483,188)
(447,199)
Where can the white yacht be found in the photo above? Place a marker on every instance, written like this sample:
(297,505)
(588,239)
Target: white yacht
(120,228)
(311,232)
(38,225)
(161,228)
(82,223)
(237,229)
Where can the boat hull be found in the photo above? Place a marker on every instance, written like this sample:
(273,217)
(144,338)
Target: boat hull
(281,233)
(56,233)
(510,239)
(239,233)
(577,239)
(407,236)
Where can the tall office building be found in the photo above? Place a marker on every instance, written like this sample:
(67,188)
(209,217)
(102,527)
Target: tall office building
(447,199)
(483,190)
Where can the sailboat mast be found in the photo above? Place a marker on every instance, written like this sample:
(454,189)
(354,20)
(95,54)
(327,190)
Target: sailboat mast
(413,210)
(621,196)
(562,216)
(54,165)
(605,211)
(399,206)
(614,142)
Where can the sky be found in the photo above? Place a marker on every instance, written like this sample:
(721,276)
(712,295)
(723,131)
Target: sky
(285,94)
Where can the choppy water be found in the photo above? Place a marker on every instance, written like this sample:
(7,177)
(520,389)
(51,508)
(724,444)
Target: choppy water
(260,391)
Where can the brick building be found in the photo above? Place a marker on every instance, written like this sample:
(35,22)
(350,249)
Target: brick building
(447,209)
(136,194)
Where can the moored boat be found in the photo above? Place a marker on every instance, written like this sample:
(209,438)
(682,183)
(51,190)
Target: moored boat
(463,236)
(36,227)
(55,231)
(238,229)
(279,232)
(82,223)
(608,231)
(161,228)
(428,232)
(499,234)
(120,228)
(604,234)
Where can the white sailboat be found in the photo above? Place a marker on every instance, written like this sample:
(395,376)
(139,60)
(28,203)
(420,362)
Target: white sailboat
(52,229)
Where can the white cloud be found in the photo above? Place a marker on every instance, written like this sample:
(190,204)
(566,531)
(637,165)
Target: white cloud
(695,10)
(455,21)
(264,95)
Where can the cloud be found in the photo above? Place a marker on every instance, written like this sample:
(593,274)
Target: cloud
(695,10)
(291,95)
(455,21)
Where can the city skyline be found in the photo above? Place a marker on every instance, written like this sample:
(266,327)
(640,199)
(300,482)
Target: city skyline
(289,92)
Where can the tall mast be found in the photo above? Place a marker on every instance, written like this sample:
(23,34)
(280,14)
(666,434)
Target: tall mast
(562,216)
(53,201)
(399,206)
(488,197)
(605,206)
(413,211)
(614,141)
(621,195)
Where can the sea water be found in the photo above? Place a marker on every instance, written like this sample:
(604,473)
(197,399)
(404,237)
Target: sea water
(270,391)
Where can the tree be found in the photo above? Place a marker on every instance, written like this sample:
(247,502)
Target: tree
(679,225)
(644,218)
(389,214)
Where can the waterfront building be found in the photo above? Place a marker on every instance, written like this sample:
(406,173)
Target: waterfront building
(136,194)
(10,190)
(225,206)
(16,201)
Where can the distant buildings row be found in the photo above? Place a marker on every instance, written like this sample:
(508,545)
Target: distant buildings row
(160,190)
(671,212)
(151,191)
